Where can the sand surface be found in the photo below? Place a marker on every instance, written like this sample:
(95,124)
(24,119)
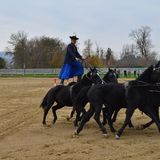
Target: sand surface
(22,136)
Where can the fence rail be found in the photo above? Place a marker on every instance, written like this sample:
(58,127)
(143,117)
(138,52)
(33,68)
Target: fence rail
(56,71)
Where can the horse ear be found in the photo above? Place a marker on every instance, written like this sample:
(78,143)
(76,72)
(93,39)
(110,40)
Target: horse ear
(91,69)
(157,65)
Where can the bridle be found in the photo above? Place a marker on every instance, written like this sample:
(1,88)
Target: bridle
(89,78)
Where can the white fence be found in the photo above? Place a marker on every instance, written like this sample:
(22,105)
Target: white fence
(56,71)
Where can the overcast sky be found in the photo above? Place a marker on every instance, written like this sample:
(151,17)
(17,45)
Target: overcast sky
(108,22)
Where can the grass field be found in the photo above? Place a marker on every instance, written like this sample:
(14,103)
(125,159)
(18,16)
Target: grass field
(48,76)
(22,136)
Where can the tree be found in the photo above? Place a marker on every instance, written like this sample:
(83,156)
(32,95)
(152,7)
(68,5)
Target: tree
(94,60)
(87,51)
(39,52)
(128,56)
(2,63)
(45,52)
(108,56)
(57,60)
(18,46)
(142,37)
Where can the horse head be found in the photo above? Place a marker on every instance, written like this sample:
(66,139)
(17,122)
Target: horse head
(92,76)
(110,76)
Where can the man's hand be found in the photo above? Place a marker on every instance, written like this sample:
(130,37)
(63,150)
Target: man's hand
(80,59)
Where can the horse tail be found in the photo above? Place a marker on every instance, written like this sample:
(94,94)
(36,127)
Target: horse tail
(50,97)
(44,101)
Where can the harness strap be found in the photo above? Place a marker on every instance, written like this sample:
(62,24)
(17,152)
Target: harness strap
(70,90)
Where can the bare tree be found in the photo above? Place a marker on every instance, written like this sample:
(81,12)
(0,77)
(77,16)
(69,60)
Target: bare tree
(87,51)
(97,49)
(128,56)
(108,56)
(142,37)
(40,52)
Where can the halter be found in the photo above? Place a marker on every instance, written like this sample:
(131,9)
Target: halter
(91,79)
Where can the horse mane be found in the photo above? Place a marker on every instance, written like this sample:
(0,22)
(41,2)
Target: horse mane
(110,79)
(146,75)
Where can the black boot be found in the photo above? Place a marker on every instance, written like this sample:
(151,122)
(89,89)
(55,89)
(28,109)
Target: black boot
(62,82)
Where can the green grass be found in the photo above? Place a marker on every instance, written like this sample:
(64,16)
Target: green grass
(48,76)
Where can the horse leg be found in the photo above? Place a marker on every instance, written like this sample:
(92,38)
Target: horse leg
(71,115)
(85,119)
(79,108)
(46,109)
(78,117)
(54,108)
(50,102)
(115,117)
(115,114)
(105,112)
(97,119)
(78,111)
(109,115)
(144,126)
(153,116)
(83,113)
(130,125)
(129,113)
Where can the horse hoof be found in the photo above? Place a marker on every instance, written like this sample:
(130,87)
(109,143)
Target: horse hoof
(117,137)
(75,132)
(75,135)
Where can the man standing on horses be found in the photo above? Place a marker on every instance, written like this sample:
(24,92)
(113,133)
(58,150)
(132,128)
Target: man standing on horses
(72,65)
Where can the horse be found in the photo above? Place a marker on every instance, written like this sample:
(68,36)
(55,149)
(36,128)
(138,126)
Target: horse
(81,99)
(145,96)
(111,95)
(63,95)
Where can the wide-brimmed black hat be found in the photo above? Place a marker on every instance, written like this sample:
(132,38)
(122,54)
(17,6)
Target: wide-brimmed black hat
(74,37)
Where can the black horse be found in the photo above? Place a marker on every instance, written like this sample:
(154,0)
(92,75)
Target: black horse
(64,95)
(145,96)
(111,95)
(82,99)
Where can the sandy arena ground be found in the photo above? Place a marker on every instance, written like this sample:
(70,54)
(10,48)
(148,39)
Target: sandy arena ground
(22,136)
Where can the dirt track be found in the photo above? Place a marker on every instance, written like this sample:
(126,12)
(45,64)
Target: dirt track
(22,136)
